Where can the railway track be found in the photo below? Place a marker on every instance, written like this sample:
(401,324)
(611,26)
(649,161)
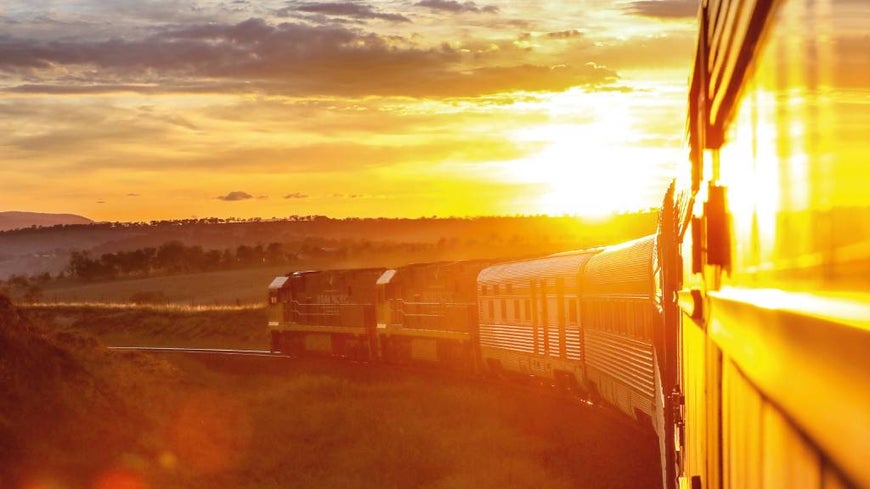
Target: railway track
(202,351)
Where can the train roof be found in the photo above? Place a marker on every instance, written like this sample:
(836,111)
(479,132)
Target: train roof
(566,264)
(279,282)
(386,277)
(626,268)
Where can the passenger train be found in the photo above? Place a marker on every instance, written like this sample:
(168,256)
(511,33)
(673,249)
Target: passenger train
(739,332)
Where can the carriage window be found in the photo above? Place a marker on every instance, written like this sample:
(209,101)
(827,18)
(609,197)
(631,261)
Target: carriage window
(495,290)
(483,290)
(509,289)
(528,310)
(516,309)
(491,310)
(504,309)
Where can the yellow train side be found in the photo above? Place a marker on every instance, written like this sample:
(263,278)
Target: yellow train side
(775,334)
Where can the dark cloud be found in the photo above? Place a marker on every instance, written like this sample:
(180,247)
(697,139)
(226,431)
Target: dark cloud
(454,6)
(133,195)
(296,195)
(342,9)
(666,9)
(287,59)
(234,196)
(564,34)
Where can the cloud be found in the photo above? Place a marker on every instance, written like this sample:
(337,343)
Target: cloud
(133,195)
(343,9)
(296,195)
(564,34)
(666,9)
(454,6)
(236,195)
(284,59)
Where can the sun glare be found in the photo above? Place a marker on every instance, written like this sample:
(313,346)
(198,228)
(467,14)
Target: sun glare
(593,168)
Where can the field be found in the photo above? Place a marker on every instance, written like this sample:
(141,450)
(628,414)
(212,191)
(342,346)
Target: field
(244,286)
(157,325)
(77,415)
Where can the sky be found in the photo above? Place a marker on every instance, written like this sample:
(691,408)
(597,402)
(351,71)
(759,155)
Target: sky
(133,110)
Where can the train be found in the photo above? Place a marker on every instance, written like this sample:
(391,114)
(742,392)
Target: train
(738,333)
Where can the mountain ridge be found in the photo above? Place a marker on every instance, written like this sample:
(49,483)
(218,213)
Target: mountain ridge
(10,220)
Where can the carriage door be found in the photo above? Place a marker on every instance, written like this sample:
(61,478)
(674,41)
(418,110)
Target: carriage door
(543,319)
(560,308)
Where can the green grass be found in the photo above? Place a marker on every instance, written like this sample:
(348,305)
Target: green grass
(340,425)
(154,325)
(245,286)
(74,413)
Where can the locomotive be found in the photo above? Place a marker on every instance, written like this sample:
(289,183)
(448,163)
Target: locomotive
(740,331)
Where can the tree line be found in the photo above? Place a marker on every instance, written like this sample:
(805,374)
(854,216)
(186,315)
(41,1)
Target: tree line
(171,258)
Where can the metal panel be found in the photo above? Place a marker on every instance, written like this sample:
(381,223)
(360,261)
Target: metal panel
(626,360)
(624,270)
(809,356)
(516,338)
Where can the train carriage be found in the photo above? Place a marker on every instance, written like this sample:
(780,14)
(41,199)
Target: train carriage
(530,317)
(775,340)
(621,315)
(327,311)
(428,313)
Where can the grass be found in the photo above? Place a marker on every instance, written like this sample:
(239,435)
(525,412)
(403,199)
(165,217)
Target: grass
(160,325)
(76,415)
(244,286)
(342,425)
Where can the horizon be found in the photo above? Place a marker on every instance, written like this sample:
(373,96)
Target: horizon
(350,109)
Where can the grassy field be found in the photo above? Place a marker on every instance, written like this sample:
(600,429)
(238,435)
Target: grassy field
(132,325)
(244,286)
(341,425)
(76,415)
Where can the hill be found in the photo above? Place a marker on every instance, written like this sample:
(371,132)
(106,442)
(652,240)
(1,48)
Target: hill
(18,220)
(48,249)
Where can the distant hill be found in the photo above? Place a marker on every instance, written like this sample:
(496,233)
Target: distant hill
(359,242)
(17,219)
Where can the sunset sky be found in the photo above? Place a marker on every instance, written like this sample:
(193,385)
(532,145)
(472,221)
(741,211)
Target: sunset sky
(155,109)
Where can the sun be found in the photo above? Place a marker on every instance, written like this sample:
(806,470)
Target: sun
(592,169)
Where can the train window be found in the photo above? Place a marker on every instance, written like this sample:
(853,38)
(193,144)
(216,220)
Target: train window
(572,311)
(495,289)
(483,290)
(491,310)
(504,309)
(509,289)
(528,310)
(516,309)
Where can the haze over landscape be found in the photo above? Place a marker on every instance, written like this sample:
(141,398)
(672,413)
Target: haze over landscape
(131,111)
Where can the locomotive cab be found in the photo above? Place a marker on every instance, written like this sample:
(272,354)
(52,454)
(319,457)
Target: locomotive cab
(277,308)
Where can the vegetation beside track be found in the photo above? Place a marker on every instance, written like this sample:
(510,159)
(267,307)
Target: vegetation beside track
(150,325)
(77,415)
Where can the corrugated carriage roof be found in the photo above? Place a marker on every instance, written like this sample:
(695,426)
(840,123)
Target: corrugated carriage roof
(564,265)
(624,269)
